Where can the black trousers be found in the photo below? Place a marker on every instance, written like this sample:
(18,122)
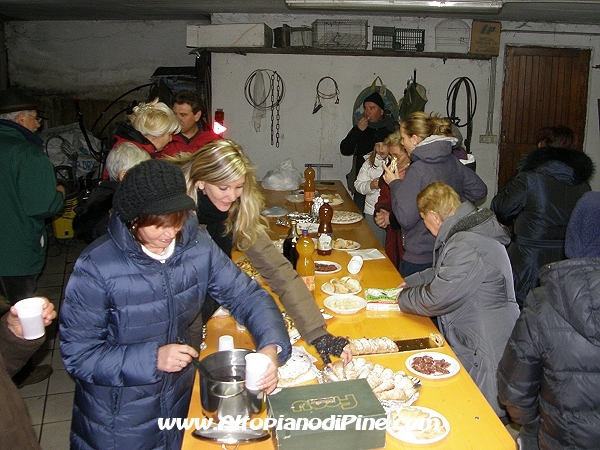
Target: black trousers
(15,288)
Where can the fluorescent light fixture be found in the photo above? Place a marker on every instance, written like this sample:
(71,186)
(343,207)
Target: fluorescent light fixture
(467,6)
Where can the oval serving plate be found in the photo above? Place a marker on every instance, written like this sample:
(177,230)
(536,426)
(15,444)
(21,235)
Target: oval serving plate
(328,263)
(328,288)
(452,369)
(348,244)
(345,303)
(295,198)
(346,217)
(427,427)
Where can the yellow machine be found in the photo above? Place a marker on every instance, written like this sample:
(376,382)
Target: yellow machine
(62,224)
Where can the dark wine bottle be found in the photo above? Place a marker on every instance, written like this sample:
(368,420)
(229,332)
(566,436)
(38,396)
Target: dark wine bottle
(289,244)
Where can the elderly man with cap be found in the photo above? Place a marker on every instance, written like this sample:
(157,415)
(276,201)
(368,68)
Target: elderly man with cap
(374,126)
(549,373)
(28,195)
(128,305)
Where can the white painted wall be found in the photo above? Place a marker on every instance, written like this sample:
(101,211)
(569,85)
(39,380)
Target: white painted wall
(104,59)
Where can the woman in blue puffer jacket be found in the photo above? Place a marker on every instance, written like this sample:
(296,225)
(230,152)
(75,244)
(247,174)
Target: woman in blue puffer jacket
(127,308)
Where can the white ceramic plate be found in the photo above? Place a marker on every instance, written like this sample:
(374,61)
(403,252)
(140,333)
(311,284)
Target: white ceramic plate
(337,267)
(329,290)
(453,368)
(334,199)
(295,198)
(346,217)
(345,304)
(274,211)
(353,246)
(411,431)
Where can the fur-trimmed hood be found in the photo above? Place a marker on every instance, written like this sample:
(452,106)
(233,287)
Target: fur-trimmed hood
(569,165)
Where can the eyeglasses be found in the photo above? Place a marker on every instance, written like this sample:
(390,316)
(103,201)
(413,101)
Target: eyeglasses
(38,119)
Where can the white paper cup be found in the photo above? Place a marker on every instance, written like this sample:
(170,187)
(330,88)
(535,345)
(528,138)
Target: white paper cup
(29,311)
(226,343)
(256,365)
(355,264)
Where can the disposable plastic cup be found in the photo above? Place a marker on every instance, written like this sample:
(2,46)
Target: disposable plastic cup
(226,343)
(256,365)
(355,264)
(29,311)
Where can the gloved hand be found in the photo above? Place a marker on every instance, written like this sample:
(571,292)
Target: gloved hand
(329,345)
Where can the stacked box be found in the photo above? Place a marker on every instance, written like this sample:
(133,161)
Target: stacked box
(344,415)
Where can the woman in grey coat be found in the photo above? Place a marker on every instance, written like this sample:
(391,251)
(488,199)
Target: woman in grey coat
(469,287)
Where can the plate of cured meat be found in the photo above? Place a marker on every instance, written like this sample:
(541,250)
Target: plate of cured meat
(432,365)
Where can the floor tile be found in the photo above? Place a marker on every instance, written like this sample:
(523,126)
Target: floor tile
(57,362)
(58,408)
(35,405)
(38,430)
(34,390)
(60,382)
(55,436)
(48,280)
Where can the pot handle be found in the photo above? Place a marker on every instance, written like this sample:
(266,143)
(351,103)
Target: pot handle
(212,391)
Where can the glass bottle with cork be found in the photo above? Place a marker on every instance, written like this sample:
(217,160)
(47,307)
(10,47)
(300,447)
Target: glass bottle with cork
(325,240)
(309,188)
(289,244)
(306,265)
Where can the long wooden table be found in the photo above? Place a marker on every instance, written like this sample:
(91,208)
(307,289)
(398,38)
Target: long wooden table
(473,423)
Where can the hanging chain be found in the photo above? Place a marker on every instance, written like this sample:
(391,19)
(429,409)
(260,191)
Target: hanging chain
(278,116)
(275,100)
(272,80)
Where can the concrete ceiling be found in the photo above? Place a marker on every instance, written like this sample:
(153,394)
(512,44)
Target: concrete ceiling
(570,11)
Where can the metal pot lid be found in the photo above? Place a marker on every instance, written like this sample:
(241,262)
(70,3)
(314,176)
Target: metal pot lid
(231,435)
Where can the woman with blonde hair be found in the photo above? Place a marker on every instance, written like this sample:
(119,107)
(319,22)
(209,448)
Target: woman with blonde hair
(220,178)
(469,288)
(428,140)
(150,127)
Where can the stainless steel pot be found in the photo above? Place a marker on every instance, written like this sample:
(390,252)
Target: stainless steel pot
(222,388)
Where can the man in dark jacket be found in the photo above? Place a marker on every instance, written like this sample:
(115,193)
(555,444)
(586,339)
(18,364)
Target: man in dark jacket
(549,373)
(373,127)
(28,195)
(540,199)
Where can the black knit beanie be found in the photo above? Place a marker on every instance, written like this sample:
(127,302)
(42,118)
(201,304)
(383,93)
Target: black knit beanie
(151,187)
(375,97)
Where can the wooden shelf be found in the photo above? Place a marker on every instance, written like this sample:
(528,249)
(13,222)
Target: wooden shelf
(340,52)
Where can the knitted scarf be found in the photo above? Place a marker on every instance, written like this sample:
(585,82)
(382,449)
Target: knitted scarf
(214,220)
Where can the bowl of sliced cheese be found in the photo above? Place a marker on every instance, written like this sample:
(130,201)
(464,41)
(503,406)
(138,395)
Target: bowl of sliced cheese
(345,304)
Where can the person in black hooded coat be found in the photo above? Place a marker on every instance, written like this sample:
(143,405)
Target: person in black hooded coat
(373,127)
(549,374)
(540,199)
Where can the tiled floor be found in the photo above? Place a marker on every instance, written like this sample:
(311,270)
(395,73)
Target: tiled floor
(50,402)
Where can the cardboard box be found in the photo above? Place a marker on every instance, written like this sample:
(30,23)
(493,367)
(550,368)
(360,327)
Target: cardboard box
(382,299)
(344,415)
(230,35)
(485,38)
